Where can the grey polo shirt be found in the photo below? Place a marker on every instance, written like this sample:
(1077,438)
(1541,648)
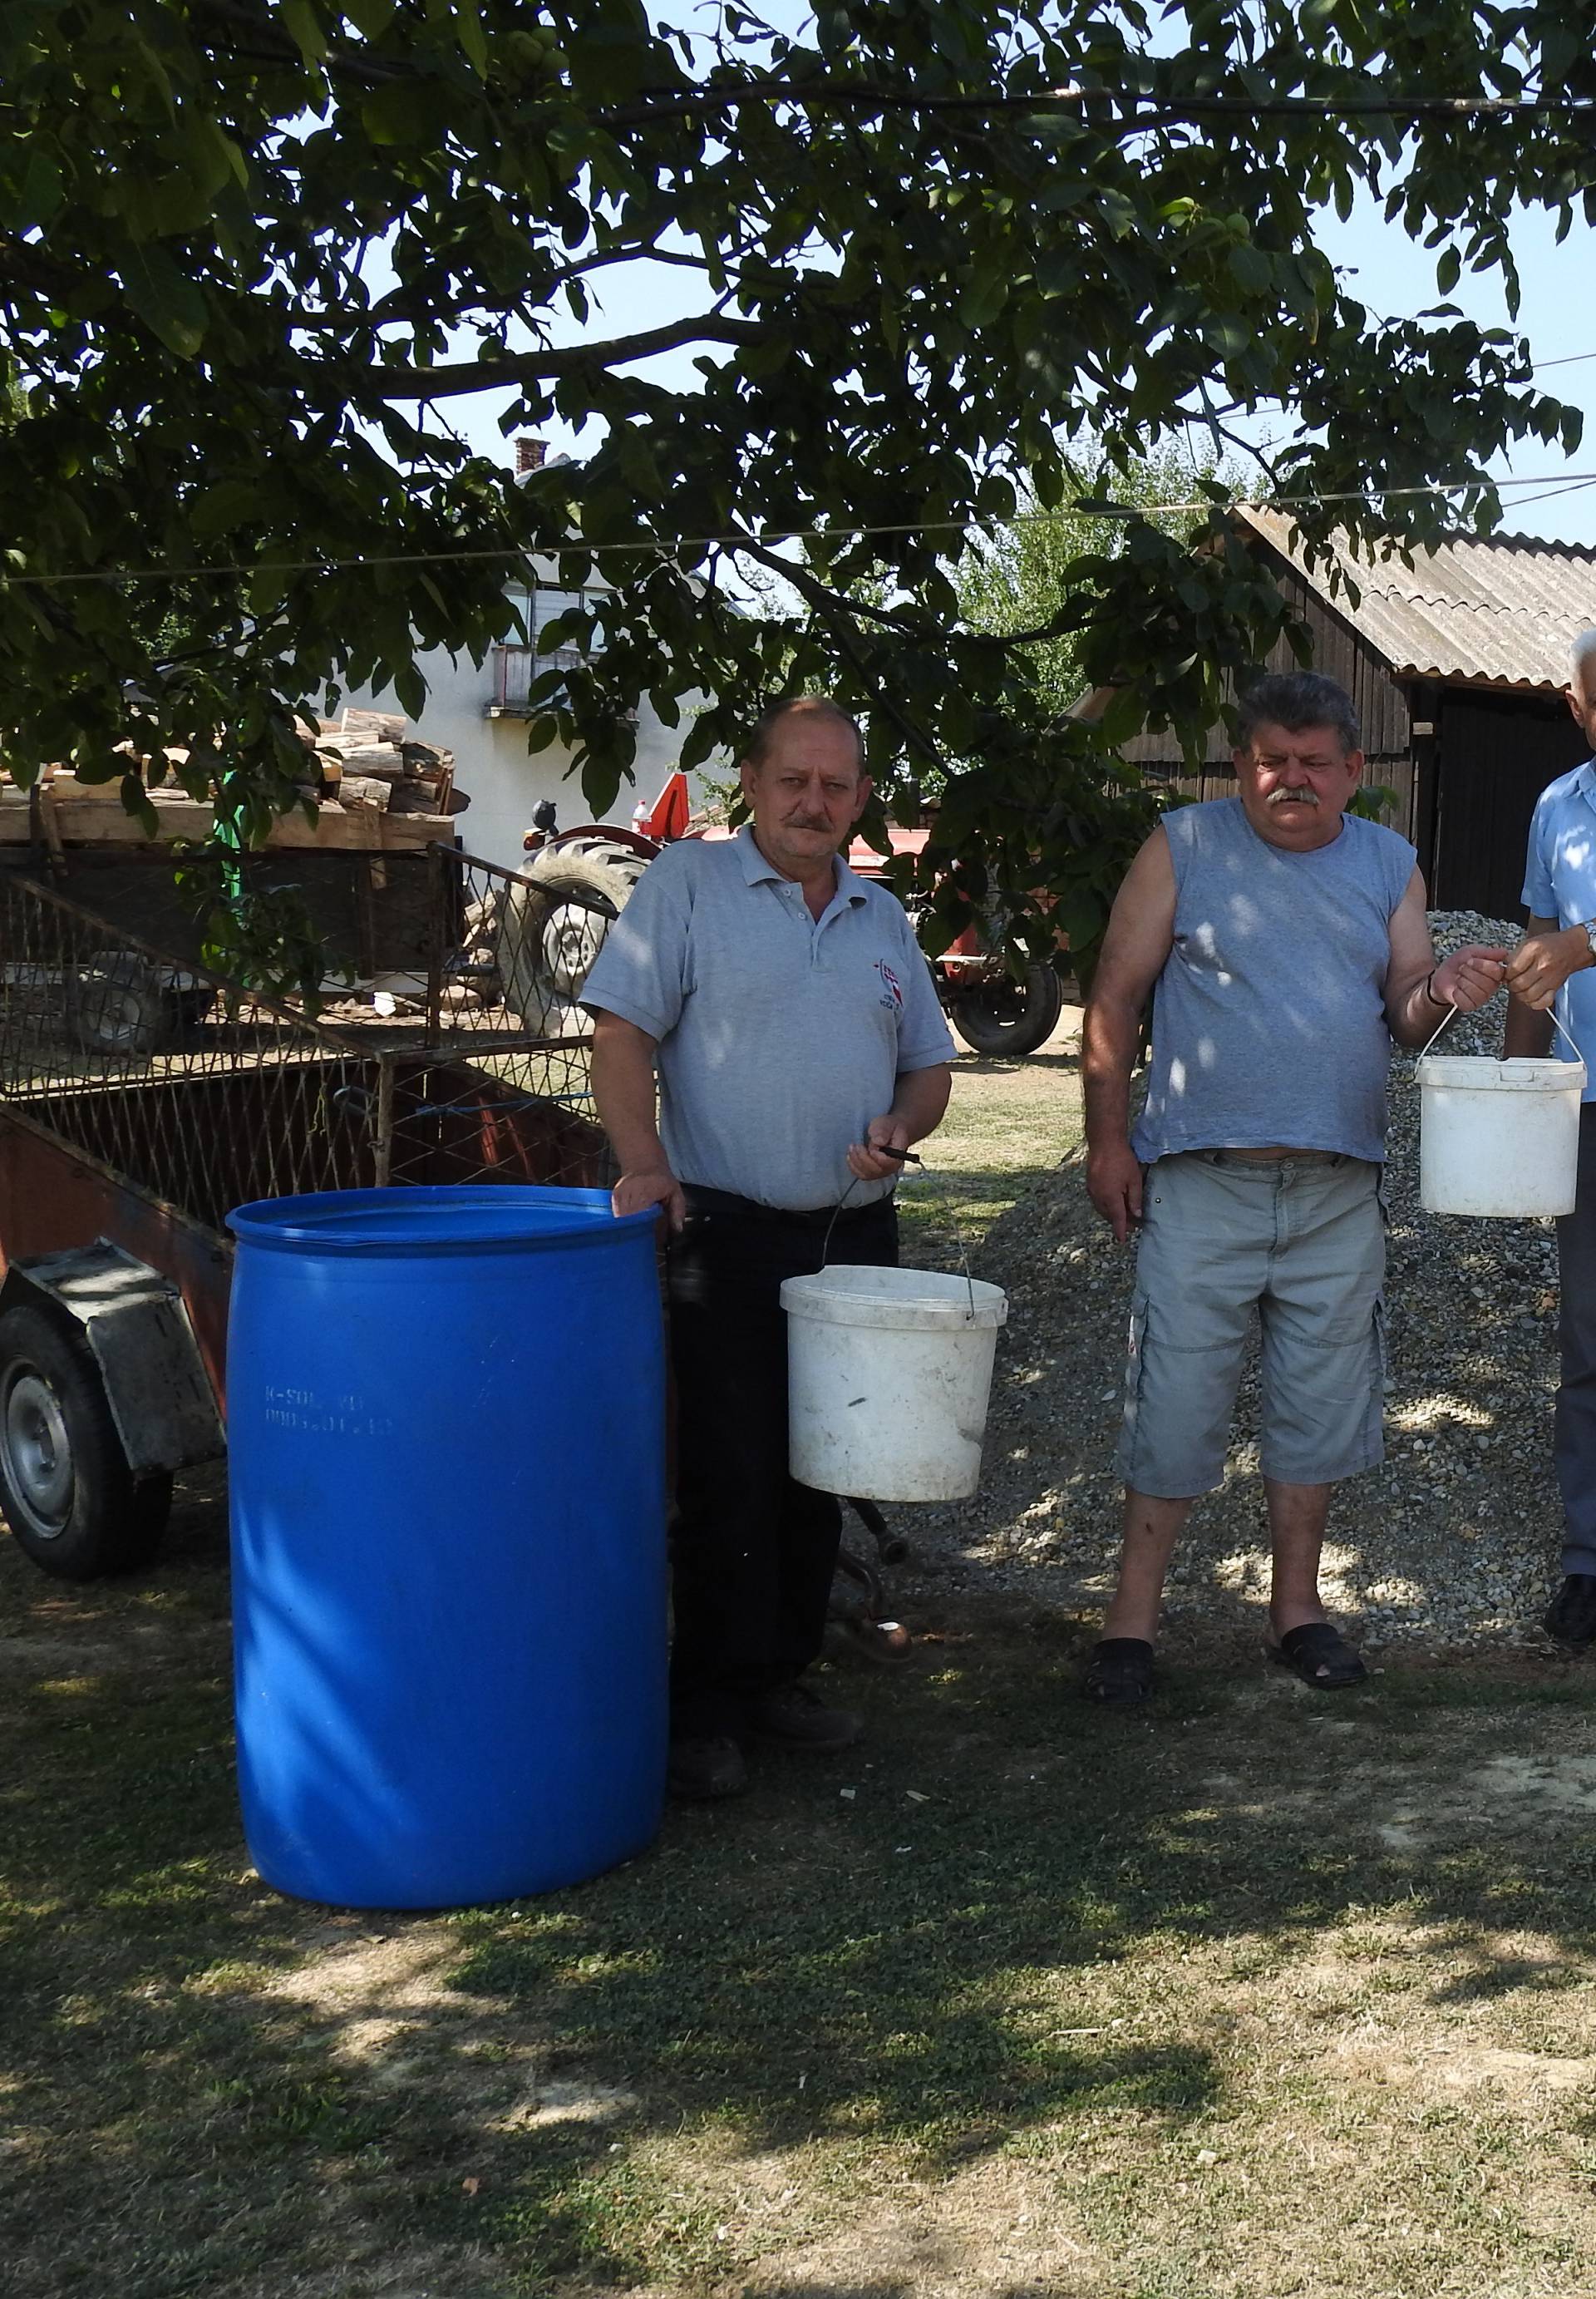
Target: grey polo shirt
(1560,882)
(780,1035)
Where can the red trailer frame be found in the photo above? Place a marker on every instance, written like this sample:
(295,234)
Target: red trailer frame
(141,1098)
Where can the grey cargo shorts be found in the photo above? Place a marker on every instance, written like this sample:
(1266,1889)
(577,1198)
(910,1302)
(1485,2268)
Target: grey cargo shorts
(1303,1240)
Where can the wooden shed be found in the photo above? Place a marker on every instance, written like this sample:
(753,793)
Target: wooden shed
(1457,665)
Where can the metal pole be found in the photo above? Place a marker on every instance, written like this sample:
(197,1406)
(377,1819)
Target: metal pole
(436,941)
(383,1144)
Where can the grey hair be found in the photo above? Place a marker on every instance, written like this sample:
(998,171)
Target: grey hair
(1584,653)
(1297,700)
(806,706)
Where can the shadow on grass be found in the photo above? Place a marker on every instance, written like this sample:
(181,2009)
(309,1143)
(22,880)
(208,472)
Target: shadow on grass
(915,1974)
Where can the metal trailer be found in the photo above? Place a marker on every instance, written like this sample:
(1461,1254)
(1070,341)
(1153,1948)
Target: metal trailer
(141,1097)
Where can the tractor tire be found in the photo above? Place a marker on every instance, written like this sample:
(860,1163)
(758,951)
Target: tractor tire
(552,928)
(1011,1017)
(72,1504)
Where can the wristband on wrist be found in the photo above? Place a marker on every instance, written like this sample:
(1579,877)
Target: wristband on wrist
(1429,988)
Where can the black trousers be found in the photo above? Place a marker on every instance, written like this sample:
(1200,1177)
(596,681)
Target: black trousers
(754,1551)
(1573,1430)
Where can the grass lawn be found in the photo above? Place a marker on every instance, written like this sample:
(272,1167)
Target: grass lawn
(1007,1122)
(1259,1995)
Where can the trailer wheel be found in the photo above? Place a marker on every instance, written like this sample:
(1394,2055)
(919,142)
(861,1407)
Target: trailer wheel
(120,1004)
(1011,1017)
(68,1494)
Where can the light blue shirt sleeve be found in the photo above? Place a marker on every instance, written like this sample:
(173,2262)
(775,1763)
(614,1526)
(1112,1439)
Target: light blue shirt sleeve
(643,969)
(923,1037)
(1539,896)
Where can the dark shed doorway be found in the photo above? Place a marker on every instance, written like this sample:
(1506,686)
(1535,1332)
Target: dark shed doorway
(1496,754)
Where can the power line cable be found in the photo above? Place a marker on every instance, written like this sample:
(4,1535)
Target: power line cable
(1090,506)
(1142,109)
(1565,487)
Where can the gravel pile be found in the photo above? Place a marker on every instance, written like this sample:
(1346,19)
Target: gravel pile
(1452,1545)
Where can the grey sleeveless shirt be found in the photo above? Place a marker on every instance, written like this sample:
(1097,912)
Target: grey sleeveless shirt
(1268,1020)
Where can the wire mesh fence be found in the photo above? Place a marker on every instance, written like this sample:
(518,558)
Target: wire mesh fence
(202,1094)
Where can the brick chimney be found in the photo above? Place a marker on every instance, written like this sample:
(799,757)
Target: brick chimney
(529,456)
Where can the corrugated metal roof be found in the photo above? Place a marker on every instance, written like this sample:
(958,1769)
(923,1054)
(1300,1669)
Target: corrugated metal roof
(1506,608)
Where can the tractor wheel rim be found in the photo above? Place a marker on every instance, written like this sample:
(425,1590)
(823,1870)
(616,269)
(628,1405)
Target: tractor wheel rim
(571,943)
(38,1453)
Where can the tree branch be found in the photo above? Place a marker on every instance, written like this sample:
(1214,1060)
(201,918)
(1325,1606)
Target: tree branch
(818,593)
(409,302)
(275,50)
(29,266)
(536,367)
(837,610)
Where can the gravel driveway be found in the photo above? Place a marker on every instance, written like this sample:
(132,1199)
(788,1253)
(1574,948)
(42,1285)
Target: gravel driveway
(1450,1545)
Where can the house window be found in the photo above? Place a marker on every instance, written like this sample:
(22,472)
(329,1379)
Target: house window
(516,667)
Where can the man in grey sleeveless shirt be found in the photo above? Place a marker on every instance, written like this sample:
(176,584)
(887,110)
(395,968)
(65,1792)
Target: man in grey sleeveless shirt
(1285,945)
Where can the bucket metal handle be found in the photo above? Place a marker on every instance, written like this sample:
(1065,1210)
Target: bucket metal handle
(1451,1009)
(909,1156)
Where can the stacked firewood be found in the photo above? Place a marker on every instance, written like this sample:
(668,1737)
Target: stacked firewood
(366,759)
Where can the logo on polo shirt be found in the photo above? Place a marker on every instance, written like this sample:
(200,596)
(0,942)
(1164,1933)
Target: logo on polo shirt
(892,996)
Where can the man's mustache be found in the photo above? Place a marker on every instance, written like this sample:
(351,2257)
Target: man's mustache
(1284,797)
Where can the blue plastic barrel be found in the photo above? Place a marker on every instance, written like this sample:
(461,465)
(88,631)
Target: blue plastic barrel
(446,1416)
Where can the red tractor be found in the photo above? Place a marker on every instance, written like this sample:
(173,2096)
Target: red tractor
(599,864)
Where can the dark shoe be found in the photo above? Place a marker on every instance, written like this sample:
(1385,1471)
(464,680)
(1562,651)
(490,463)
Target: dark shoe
(1120,1673)
(1571,1615)
(1320,1656)
(704,1769)
(801,1719)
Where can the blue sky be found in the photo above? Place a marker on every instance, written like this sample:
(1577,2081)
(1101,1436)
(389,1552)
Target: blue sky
(1556,316)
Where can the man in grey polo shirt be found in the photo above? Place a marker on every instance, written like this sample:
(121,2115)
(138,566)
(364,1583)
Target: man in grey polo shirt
(800,1050)
(1556,966)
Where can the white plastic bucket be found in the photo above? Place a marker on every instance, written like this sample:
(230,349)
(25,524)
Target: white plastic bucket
(889,1372)
(1497,1138)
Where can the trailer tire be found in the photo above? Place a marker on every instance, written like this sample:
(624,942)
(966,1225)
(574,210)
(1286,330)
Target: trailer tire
(1011,1018)
(73,1505)
(119,1003)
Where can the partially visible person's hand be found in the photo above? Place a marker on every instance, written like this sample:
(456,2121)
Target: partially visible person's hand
(635,1193)
(1470,977)
(1540,966)
(1114,1185)
(865,1161)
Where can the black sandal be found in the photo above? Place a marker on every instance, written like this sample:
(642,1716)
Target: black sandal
(1120,1673)
(1320,1656)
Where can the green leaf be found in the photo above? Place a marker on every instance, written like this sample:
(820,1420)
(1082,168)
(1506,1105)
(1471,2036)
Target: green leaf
(230,504)
(410,687)
(304,27)
(405,112)
(165,301)
(265,591)
(468,23)
(41,190)
(935,300)
(1448,269)
(1250,268)
(1123,716)
(136,801)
